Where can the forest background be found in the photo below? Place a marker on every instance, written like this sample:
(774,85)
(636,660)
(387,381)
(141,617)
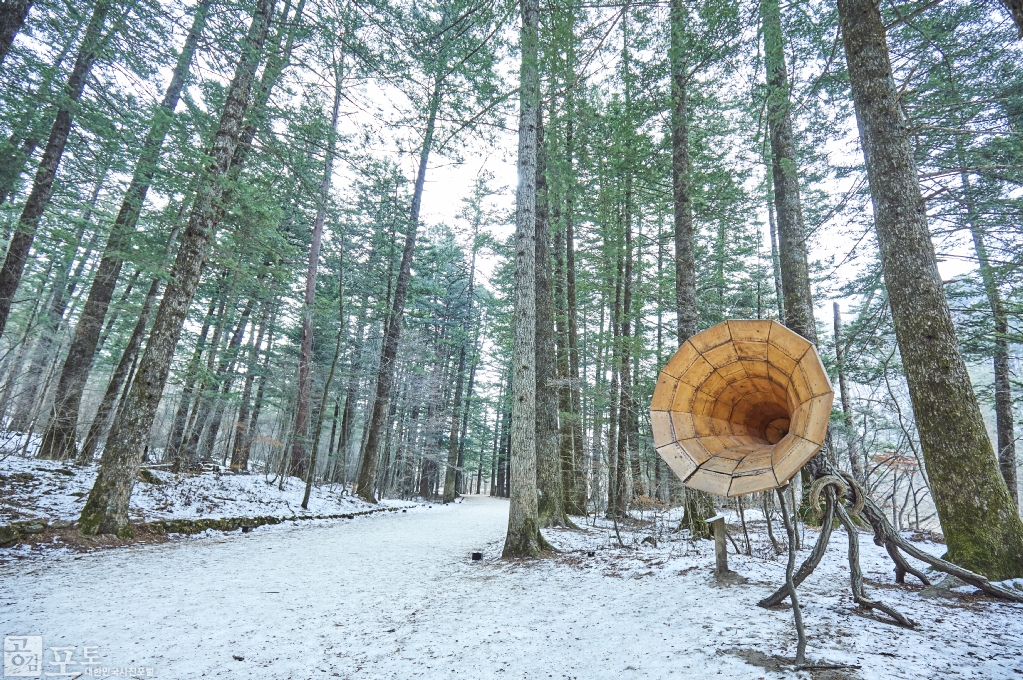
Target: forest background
(332,185)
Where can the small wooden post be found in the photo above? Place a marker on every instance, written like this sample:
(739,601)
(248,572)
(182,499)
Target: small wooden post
(717,525)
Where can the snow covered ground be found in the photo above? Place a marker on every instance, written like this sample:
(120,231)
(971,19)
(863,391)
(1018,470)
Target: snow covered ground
(31,488)
(396,596)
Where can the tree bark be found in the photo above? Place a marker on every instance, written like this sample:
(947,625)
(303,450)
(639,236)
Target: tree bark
(779,293)
(99,424)
(523,538)
(788,206)
(17,252)
(456,419)
(239,461)
(699,505)
(1004,425)
(1015,10)
(333,362)
(106,510)
(614,414)
(12,17)
(982,528)
(855,461)
(63,283)
(252,427)
(59,440)
(550,505)
(305,357)
(392,334)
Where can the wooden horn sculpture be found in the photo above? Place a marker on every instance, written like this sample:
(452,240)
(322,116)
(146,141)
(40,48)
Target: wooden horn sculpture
(741,407)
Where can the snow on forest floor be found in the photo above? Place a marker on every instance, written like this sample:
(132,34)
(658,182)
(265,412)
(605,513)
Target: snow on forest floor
(396,596)
(32,488)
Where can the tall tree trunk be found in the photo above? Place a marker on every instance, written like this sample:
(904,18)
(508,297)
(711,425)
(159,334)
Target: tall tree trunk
(17,252)
(523,538)
(626,440)
(252,427)
(614,413)
(576,504)
(550,505)
(698,504)
(61,292)
(685,261)
(177,430)
(456,419)
(1015,10)
(59,438)
(12,17)
(791,231)
(1004,424)
(779,293)
(106,510)
(855,462)
(12,167)
(389,350)
(98,428)
(209,383)
(566,417)
(982,528)
(238,460)
(222,387)
(305,357)
(333,362)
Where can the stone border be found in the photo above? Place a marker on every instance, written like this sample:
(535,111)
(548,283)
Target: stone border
(14,533)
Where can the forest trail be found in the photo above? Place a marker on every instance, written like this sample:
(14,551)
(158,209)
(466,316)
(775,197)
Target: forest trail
(396,596)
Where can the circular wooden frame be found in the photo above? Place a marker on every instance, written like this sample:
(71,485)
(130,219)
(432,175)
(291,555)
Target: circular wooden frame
(741,407)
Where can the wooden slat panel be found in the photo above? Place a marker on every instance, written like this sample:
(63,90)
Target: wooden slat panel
(712,337)
(755,461)
(799,385)
(818,417)
(790,454)
(683,358)
(755,369)
(749,330)
(816,380)
(711,482)
(703,405)
(721,355)
(684,396)
(704,426)
(713,385)
(753,483)
(660,424)
(788,342)
(697,373)
(720,464)
(732,372)
(696,450)
(678,460)
(714,444)
(751,351)
(722,410)
(775,375)
(729,396)
(664,392)
(780,360)
(800,416)
(682,424)
(739,429)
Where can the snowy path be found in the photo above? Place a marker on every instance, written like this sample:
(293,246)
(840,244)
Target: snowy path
(394,596)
